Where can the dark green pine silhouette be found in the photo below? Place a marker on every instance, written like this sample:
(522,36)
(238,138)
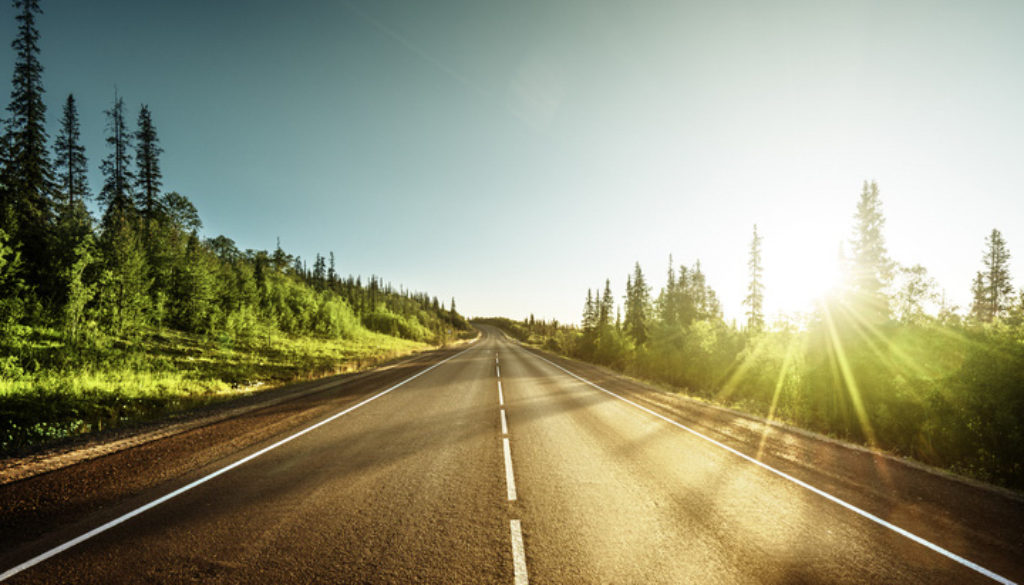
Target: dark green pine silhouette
(27,178)
(148,178)
(116,194)
(69,159)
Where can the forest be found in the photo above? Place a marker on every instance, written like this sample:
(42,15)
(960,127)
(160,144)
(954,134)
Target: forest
(882,360)
(130,314)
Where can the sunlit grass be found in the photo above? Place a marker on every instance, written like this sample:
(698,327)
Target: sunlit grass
(162,372)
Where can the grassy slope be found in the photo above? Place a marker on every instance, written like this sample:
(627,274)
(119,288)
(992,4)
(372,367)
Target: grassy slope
(160,373)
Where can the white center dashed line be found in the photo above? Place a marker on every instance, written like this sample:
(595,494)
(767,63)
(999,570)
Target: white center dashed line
(518,554)
(510,480)
(516,529)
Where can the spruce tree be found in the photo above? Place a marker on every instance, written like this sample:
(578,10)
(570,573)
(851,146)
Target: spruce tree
(638,301)
(980,306)
(27,178)
(589,313)
(755,290)
(69,158)
(147,165)
(116,194)
(667,306)
(605,306)
(997,276)
(871,268)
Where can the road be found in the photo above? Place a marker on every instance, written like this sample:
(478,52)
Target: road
(496,464)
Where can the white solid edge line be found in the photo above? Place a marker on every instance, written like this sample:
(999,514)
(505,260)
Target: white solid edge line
(510,480)
(946,553)
(501,397)
(504,423)
(518,553)
(104,527)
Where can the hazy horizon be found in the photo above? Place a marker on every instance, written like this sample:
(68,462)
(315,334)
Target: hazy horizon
(514,154)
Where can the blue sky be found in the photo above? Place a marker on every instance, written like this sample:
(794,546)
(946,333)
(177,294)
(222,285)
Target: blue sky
(513,154)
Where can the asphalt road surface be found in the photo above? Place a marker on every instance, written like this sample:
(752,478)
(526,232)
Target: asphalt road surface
(496,464)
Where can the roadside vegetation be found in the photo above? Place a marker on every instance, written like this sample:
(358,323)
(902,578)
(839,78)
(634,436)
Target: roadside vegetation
(114,309)
(882,360)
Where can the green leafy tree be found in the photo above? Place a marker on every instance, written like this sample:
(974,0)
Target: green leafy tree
(755,290)
(916,291)
(125,282)
(195,291)
(79,291)
(871,269)
(148,178)
(116,194)
(12,287)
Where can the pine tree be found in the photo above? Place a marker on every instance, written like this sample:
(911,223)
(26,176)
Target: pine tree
(872,269)
(980,305)
(605,306)
(667,305)
(755,291)
(638,302)
(74,223)
(27,178)
(147,160)
(589,313)
(997,276)
(69,158)
(116,194)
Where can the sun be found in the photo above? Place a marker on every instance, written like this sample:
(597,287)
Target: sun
(798,275)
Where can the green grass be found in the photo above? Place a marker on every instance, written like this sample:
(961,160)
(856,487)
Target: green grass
(64,393)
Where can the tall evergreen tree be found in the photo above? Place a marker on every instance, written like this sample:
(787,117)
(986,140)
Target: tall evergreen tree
(27,178)
(116,194)
(666,303)
(589,313)
(147,160)
(755,290)
(638,303)
(871,270)
(980,306)
(605,306)
(69,158)
(997,276)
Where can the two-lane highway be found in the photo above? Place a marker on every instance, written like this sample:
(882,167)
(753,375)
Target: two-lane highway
(494,466)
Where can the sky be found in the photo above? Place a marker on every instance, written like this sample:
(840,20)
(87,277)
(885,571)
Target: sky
(514,154)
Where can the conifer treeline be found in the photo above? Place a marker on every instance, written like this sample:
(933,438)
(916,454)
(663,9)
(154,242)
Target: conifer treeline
(143,264)
(884,359)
